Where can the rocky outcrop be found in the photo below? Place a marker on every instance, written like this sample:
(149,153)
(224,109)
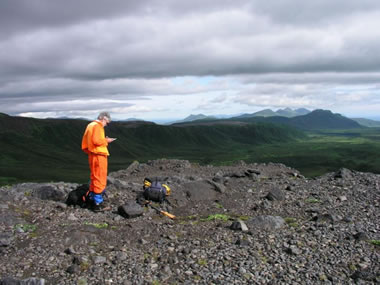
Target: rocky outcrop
(240,224)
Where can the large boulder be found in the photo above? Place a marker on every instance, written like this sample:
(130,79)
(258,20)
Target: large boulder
(200,191)
(48,192)
(217,186)
(275,195)
(344,174)
(130,210)
(267,223)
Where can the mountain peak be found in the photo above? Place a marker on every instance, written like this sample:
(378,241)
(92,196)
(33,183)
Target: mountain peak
(193,117)
(324,119)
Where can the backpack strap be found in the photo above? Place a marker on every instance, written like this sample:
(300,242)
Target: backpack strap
(84,197)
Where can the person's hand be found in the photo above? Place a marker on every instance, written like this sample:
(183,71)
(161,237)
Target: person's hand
(109,140)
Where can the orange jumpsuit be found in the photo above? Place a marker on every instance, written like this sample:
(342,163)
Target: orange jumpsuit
(95,145)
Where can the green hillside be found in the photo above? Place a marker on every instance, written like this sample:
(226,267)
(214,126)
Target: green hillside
(49,149)
(367,122)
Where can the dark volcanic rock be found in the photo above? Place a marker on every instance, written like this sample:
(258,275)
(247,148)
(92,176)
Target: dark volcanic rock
(296,230)
(130,210)
(239,225)
(49,193)
(268,223)
(218,186)
(275,194)
(343,173)
(199,191)
(6,239)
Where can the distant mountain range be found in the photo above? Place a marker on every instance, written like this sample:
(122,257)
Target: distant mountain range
(287,112)
(272,116)
(321,119)
(317,119)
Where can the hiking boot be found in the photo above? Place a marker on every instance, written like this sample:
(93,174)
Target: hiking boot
(101,208)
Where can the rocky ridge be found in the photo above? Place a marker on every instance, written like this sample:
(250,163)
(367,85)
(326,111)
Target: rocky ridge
(240,224)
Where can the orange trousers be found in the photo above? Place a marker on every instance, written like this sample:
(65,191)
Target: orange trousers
(98,167)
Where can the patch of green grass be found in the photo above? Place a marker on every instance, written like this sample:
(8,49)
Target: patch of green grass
(84,266)
(146,256)
(82,281)
(352,267)
(375,242)
(33,234)
(26,227)
(221,217)
(264,259)
(312,200)
(24,212)
(202,262)
(292,222)
(97,225)
(289,220)
(187,219)
(244,218)
(192,217)
(323,277)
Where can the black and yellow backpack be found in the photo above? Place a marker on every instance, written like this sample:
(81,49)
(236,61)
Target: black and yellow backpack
(155,190)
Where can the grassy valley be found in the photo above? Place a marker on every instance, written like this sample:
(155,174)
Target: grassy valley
(325,151)
(49,150)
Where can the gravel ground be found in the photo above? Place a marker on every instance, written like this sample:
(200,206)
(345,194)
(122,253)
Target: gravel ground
(240,224)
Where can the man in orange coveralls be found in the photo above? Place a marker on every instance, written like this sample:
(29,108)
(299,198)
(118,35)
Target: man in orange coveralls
(94,143)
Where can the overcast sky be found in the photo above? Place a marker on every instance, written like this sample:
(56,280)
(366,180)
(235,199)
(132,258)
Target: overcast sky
(166,59)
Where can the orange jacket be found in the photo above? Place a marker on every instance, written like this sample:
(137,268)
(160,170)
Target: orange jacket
(94,139)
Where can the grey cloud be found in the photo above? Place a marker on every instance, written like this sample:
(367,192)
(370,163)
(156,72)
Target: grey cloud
(55,51)
(312,95)
(220,99)
(24,15)
(216,43)
(311,13)
(15,107)
(325,78)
